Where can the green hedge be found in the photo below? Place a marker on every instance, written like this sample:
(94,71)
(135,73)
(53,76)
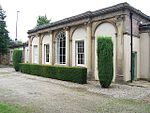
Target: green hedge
(105,60)
(73,74)
(17,58)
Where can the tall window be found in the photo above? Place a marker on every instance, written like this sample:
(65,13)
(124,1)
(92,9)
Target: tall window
(35,54)
(80,52)
(61,48)
(46,52)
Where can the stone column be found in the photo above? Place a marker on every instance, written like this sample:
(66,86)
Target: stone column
(30,49)
(120,49)
(89,50)
(149,55)
(40,48)
(67,47)
(70,46)
(51,49)
(23,54)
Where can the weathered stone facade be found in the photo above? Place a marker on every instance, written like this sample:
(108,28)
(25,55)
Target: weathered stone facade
(112,21)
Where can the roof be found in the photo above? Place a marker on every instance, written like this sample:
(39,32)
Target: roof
(15,45)
(90,14)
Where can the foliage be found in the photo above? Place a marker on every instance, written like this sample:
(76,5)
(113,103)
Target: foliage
(105,60)
(17,58)
(42,20)
(73,74)
(4,38)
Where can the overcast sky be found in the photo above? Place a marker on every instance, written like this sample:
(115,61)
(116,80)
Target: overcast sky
(55,10)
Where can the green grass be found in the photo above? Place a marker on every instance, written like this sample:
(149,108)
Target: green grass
(10,108)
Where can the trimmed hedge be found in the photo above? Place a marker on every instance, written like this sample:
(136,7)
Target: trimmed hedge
(73,74)
(17,58)
(105,60)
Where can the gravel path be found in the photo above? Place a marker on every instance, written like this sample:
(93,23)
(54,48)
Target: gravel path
(46,95)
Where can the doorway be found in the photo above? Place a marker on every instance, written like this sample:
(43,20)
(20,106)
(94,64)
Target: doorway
(134,65)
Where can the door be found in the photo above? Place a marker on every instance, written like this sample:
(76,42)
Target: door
(134,65)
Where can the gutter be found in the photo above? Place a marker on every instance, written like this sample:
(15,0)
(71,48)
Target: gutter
(131,46)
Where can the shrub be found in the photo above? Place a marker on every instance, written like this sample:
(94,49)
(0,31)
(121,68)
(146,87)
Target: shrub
(73,74)
(17,58)
(105,60)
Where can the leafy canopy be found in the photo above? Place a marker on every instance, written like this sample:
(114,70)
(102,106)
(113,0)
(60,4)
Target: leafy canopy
(42,20)
(4,38)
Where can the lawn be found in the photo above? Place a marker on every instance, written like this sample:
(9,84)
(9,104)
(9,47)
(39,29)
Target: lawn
(10,108)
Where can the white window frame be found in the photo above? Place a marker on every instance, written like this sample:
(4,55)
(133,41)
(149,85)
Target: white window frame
(35,61)
(61,47)
(45,53)
(77,53)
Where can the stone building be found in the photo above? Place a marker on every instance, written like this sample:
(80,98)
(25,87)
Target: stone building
(15,46)
(72,41)
(7,59)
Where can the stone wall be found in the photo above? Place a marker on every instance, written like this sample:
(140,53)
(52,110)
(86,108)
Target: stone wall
(4,59)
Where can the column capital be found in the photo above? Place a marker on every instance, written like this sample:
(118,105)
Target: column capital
(50,31)
(54,41)
(66,28)
(70,40)
(37,35)
(120,18)
(29,37)
(93,37)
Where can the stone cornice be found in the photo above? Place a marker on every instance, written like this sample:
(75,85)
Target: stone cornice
(86,17)
(144,27)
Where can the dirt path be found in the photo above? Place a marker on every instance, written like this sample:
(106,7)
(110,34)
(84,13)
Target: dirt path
(44,95)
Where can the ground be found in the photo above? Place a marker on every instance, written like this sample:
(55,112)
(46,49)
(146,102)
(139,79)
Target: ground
(45,95)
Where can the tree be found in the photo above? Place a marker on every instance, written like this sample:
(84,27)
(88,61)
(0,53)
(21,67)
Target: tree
(17,58)
(42,20)
(105,60)
(4,38)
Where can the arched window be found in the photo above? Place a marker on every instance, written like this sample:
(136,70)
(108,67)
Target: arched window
(61,48)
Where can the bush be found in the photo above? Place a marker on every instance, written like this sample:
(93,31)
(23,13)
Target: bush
(73,74)
(105,60)
(17,58)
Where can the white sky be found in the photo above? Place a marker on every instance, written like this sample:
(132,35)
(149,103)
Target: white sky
(55,10)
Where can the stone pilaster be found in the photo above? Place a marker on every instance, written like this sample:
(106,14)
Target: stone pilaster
(67,47)
(89,50)
(51,49)
(40,48)
(120,44)
(149,56)
(30,50)
(70,55)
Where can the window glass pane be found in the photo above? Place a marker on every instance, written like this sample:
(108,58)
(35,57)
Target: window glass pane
(46,52)
(80,52)
(61,45)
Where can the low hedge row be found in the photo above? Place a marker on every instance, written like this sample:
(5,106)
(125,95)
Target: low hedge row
(73,74)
